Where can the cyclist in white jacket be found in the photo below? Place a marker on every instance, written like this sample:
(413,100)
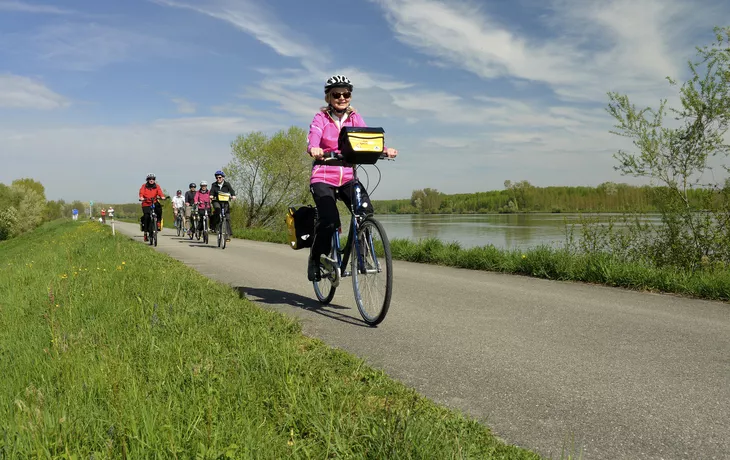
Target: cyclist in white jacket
(178,205)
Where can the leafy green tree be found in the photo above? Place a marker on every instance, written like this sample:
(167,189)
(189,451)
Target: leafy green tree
(8,222)
(677,156)
(30,209)
(54,210)
(269,173)
(32,185)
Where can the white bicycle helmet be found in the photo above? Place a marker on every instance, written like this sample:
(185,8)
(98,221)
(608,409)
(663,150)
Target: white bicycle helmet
(202,182)
(151,176)
(337,81)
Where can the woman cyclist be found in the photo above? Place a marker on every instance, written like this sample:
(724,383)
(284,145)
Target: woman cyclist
(220,185)
(202,200)
(189,200)
(150,193)
(331,176)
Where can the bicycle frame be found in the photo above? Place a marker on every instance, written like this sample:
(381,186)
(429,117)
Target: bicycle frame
(153,218)
(224,216)
(343,256)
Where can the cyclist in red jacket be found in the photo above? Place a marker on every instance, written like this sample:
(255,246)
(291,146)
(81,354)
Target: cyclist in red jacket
(149,193)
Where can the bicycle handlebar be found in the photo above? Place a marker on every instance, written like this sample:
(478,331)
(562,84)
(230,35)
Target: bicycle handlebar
(336,155)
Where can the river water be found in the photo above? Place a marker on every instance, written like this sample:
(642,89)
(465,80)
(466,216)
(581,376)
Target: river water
(470,230)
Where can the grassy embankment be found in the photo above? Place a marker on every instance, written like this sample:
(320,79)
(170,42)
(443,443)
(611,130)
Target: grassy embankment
(549,263)
(111,350)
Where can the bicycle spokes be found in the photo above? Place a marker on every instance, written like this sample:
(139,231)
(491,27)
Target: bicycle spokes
(372,277)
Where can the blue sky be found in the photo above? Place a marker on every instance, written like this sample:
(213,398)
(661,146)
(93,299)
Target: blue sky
(96,94)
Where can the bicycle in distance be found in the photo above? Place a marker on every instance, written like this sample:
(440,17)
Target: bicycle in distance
(224,220)
(200,223)
(366,255)
(152,227)
(179,223)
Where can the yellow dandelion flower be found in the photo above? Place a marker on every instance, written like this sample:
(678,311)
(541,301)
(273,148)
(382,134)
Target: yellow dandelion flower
(124,263)
(524,256)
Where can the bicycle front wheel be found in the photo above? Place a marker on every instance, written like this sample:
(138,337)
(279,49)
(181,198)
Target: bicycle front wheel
(372,271)
(224,231)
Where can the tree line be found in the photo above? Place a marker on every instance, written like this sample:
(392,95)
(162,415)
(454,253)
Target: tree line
(522,196)
(23,207)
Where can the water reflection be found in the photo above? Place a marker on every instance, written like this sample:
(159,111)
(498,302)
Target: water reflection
(501,230)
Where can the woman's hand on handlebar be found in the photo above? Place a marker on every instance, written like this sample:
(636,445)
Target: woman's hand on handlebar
(391,153)
(316,153)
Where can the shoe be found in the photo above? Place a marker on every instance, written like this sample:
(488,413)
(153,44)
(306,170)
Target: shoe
(145,236)
(228,240)
(313,270)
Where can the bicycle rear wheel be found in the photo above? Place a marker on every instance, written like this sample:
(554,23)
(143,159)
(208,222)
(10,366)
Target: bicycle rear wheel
(372,271)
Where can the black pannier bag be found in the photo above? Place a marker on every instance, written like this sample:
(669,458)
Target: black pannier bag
(300,226)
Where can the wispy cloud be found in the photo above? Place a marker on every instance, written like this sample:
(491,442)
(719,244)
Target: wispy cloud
(89,46)
(621,44)
(259,22)
(213,125)
(22,7)
(18,92)
(183,105)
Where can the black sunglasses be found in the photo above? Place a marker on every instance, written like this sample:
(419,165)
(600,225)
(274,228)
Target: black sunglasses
(346,95)
(218,177)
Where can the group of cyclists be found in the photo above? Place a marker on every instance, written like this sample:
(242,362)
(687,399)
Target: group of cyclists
(194,203)
(329,181)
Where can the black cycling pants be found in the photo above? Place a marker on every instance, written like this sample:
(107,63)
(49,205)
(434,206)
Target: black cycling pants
(215,218)
(147,215)
(201,215)
(328,218)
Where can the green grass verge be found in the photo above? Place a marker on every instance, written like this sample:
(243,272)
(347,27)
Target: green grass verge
(549,263)
(109,349)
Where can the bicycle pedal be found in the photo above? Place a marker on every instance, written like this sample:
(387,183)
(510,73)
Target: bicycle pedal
(324,258)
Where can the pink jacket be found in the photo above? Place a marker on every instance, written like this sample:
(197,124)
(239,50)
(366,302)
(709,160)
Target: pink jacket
(203,199)
(323,133)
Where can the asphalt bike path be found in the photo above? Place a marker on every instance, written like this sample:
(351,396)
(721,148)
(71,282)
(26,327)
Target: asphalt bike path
(547,365)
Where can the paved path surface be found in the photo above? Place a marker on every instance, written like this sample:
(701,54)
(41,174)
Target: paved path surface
(618,374)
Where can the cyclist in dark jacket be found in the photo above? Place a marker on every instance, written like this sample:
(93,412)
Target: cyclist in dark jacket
(220,185)
(189,202)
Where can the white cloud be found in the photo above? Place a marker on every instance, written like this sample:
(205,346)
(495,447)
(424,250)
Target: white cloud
(89,46)
(260,23)
(212,125)
(18,92)
(183,105)
(22,7)
(627,45)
